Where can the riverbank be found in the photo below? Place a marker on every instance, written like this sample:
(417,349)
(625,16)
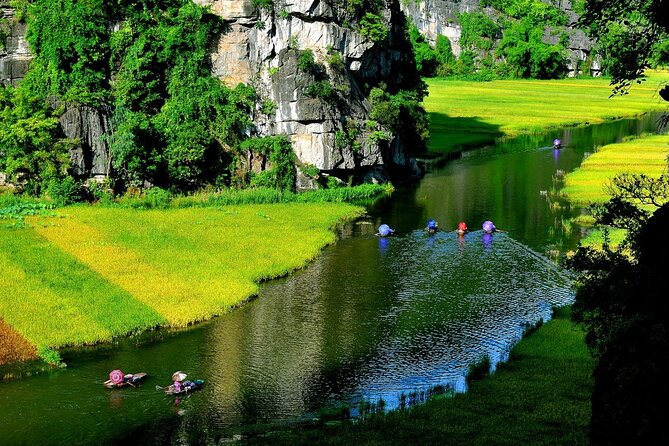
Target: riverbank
(92,273)
(541,396)
(468,114)
(645,155)
(588,184)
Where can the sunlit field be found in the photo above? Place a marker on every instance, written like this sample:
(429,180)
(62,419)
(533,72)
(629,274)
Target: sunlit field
(466,113)
(588,183)
(94,273)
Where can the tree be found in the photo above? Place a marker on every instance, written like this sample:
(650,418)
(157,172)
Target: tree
(627,32)
(621,299)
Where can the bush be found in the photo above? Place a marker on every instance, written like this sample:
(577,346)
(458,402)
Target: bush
(335,60)
(65,191)
(157,198)
(320,89)
(306,60)
(282,159)
(373,27)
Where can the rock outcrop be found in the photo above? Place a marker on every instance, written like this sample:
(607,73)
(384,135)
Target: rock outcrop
(314,107)
(84,124)
(262,47)
(15,55)
(440,17)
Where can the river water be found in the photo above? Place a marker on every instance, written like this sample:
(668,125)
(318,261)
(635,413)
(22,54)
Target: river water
(369,319)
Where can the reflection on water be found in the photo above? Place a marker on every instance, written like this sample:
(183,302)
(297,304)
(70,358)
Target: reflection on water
(369,319)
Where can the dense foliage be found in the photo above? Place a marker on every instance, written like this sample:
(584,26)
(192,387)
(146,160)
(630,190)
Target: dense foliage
(173,122)
(630,35)
(508,44)
(622,299)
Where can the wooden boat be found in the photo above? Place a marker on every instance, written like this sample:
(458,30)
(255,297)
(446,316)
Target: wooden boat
(128,380)
(185,388)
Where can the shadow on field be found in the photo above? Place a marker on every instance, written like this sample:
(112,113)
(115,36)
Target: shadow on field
(453,133)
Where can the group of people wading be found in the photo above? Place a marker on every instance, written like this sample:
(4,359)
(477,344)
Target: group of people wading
(432,227)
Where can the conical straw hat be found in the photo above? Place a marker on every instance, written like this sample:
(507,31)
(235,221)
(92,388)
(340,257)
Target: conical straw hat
(178,376)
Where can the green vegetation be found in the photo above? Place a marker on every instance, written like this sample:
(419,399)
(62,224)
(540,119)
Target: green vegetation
(402,113)
(108,272)
(466,113)
(280,155)
(508,44)
(621,298)
(597,237)
(153,72)
(588,184)
(541,395)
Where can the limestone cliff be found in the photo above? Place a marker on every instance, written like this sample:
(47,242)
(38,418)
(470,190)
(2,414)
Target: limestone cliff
(262,47)
(440,17)
(14,53)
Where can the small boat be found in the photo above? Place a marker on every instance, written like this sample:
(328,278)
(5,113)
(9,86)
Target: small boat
(117,379)
(184,387)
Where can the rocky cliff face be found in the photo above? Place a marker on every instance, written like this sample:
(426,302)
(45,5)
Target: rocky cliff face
(85,124)
(262,47)
(435,17)
(15,55)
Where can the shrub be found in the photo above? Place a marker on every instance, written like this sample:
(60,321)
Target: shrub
(306,61)
(335,60)
(282,159)
(157,198)
(65,191)
(373,27)
(320,89)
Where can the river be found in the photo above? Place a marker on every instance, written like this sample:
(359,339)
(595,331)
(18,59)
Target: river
(370,319)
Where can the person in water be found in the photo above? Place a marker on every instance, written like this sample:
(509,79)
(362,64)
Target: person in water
(489,227)
(385,230)
(462,228)
(431,226)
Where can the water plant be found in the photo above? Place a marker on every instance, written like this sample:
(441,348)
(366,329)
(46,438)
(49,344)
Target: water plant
(479,369)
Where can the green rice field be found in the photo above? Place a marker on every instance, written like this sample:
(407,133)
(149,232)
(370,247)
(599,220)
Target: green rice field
(94,273)
(645,155)
(468,113)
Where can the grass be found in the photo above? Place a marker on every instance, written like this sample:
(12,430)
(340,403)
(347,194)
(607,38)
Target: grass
(96,272)
(595,238)
(587,184)
(468,113)
(541,396)
(227,197)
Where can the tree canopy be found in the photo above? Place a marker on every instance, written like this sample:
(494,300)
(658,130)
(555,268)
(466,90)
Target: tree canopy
(622,297)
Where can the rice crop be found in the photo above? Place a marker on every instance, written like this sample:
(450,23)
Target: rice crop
(645,155)
(95,272)
(14,346)
(468,113)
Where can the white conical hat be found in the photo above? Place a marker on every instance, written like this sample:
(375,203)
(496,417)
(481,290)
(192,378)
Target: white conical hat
(178,376)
